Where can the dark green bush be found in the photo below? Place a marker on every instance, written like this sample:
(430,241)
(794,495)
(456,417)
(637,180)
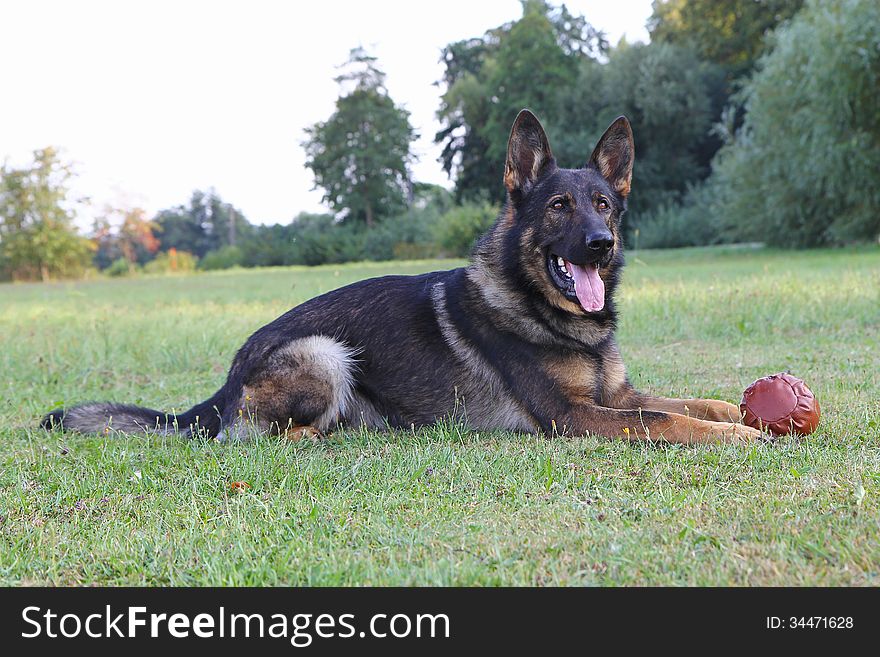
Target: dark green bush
(320,239)
(120,267)
(222,258)
(457,230)
(690,223)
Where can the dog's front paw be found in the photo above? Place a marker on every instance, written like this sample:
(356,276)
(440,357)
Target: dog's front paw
(732,432)
(722,411)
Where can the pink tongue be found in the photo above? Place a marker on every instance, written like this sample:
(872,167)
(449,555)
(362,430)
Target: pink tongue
(588,286)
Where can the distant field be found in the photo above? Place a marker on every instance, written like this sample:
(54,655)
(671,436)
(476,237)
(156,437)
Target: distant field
(446,506)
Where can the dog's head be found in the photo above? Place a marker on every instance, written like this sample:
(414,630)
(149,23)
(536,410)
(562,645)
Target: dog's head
(569,218)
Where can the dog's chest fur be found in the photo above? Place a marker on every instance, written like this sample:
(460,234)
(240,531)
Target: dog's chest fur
(487,402)
(483,398)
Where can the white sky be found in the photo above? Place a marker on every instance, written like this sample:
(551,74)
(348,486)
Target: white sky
(155,99)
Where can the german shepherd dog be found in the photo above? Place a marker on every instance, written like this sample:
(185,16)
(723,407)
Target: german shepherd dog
(522,339)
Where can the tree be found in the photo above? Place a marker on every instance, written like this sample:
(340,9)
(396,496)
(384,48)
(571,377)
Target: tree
(206,224)
(530,69)
(549,62)
(527,63)
(137,236)
(668,94)
(125,233)
(360,155)
(464,109)
(802,170)
(727,32)
(182,228)
(38,238)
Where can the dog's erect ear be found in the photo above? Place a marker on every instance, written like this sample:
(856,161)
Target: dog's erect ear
(614,154)
(528,153)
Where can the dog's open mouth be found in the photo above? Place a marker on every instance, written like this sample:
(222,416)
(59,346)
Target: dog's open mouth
(579,283)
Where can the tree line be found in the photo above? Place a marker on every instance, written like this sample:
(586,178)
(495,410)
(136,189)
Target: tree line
(754,120)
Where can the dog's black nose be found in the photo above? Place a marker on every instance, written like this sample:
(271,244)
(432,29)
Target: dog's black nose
(600,241)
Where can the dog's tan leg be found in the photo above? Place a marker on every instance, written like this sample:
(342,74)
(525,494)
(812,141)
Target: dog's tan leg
(654,426)
(703,409)
(714,410)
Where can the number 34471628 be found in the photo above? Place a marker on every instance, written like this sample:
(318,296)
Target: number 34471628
(810,622)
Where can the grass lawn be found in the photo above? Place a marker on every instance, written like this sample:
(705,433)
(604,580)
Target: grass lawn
(446,506)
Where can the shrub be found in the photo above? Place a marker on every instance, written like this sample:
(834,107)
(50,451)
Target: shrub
(320,239)
(120,267)
(689,223)
(457,230)
(172,262)
(268,246)
(223,258)
(410,232)
(414,251)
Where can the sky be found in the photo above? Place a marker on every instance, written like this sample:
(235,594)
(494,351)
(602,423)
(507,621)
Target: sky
(152,100)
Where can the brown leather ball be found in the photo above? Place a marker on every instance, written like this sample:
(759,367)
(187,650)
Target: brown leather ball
(780,403)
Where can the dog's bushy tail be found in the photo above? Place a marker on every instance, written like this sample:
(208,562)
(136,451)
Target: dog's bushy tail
(201,420)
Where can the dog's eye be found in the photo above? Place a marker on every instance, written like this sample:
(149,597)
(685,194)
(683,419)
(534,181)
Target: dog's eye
(558,204)
(602,203)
